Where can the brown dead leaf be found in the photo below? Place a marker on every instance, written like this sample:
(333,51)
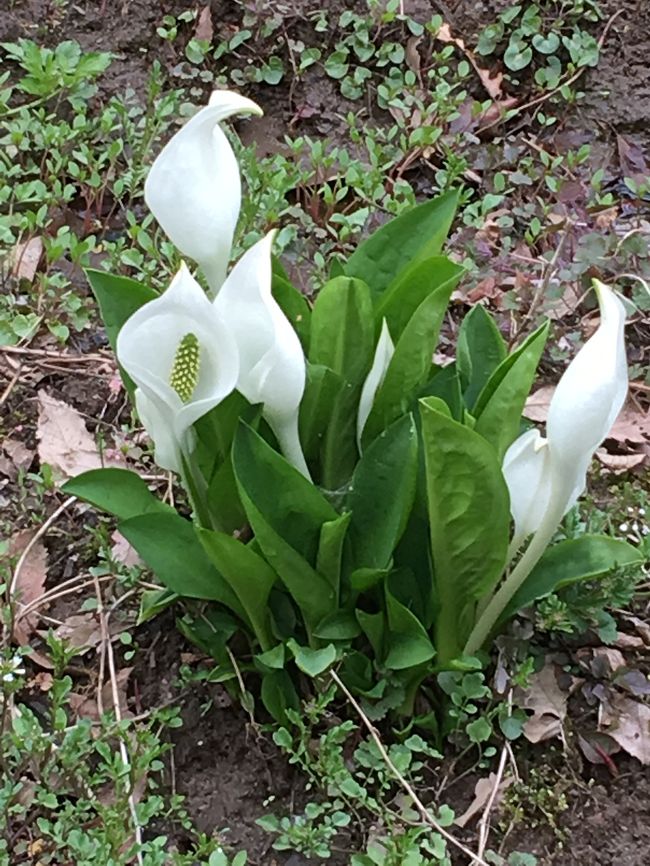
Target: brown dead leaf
(204,29)
(122,551)
(487,288)
(482,793)
(606,661)
(31,581)
(26,257)
(619,464)
(19,454)
(632,425)
(85,707)
(628,723)
(63,440)
(43,681)
(492,83)
(548,703)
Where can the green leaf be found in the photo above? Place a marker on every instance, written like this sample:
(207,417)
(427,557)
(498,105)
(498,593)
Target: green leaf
(169,546)
(410,365)
(330,549)
(342,330)
(116,491)
(340,625)
(249,576)
(286,513)
(518,54)
(291,504)
(469,518)
(414,284)
(408,642)
(479,351)
(381,495)
(279,695)
(586,558)
(272,659)
(312,661)
(118,299)
(153,602)
(479,731)
(342,339)
(295,307)
(374,628)
(500,404)
(415,235)
(316,408)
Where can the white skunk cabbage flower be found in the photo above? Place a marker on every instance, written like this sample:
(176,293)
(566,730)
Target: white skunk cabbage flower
(272,368)
(383,354)
(548,475)
(184,362)
(194,189)
(545,476)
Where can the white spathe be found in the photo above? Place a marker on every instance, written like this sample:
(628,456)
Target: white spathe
(373,382)
(272,369)
(194,189)
(147,348)
(547,475)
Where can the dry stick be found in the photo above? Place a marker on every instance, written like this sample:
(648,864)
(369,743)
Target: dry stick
(63,357)
(57,592)
(546,96)
(107,648)
(475,859)
(12,384)
(484,823)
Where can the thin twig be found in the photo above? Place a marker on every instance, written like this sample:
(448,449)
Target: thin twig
(107,647)
(36,537)
(12,384)
(475,859)
(484,823)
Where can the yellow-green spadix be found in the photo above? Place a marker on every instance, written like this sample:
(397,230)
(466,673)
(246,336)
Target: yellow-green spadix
(184,361)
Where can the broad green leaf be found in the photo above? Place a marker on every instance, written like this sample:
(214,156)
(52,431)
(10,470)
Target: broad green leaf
(585,558)
(291,504)
(415,235)
(312,661)
(374,628)
(408,641)
(272,659)
(402,298)
(469,518)
(479,351)
(168,544)
(210,631)
(279,695)
(250,577)
(116,491)
(342,339)
(410,365)
(153,602)
(330,549)
(413,561)
(363,579)
(295,307)
(342,329)
(381,495)
(118,299)
(216,429)
(286,513)
(341,625)
(445,384)
(316,408)
(500,404)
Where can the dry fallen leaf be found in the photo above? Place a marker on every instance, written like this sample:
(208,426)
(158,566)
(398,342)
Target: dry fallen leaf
(31,581)
(548,703)
(19,454)
(26,257)
(628,723)
(204,27)
(482,793)
(492,83)
(621,463)
(122,551)
(86,707)
(63,441)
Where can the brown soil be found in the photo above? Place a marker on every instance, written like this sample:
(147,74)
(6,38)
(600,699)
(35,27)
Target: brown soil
(226,769)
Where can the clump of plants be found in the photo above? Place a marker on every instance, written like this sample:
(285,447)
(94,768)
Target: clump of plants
(352,502)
